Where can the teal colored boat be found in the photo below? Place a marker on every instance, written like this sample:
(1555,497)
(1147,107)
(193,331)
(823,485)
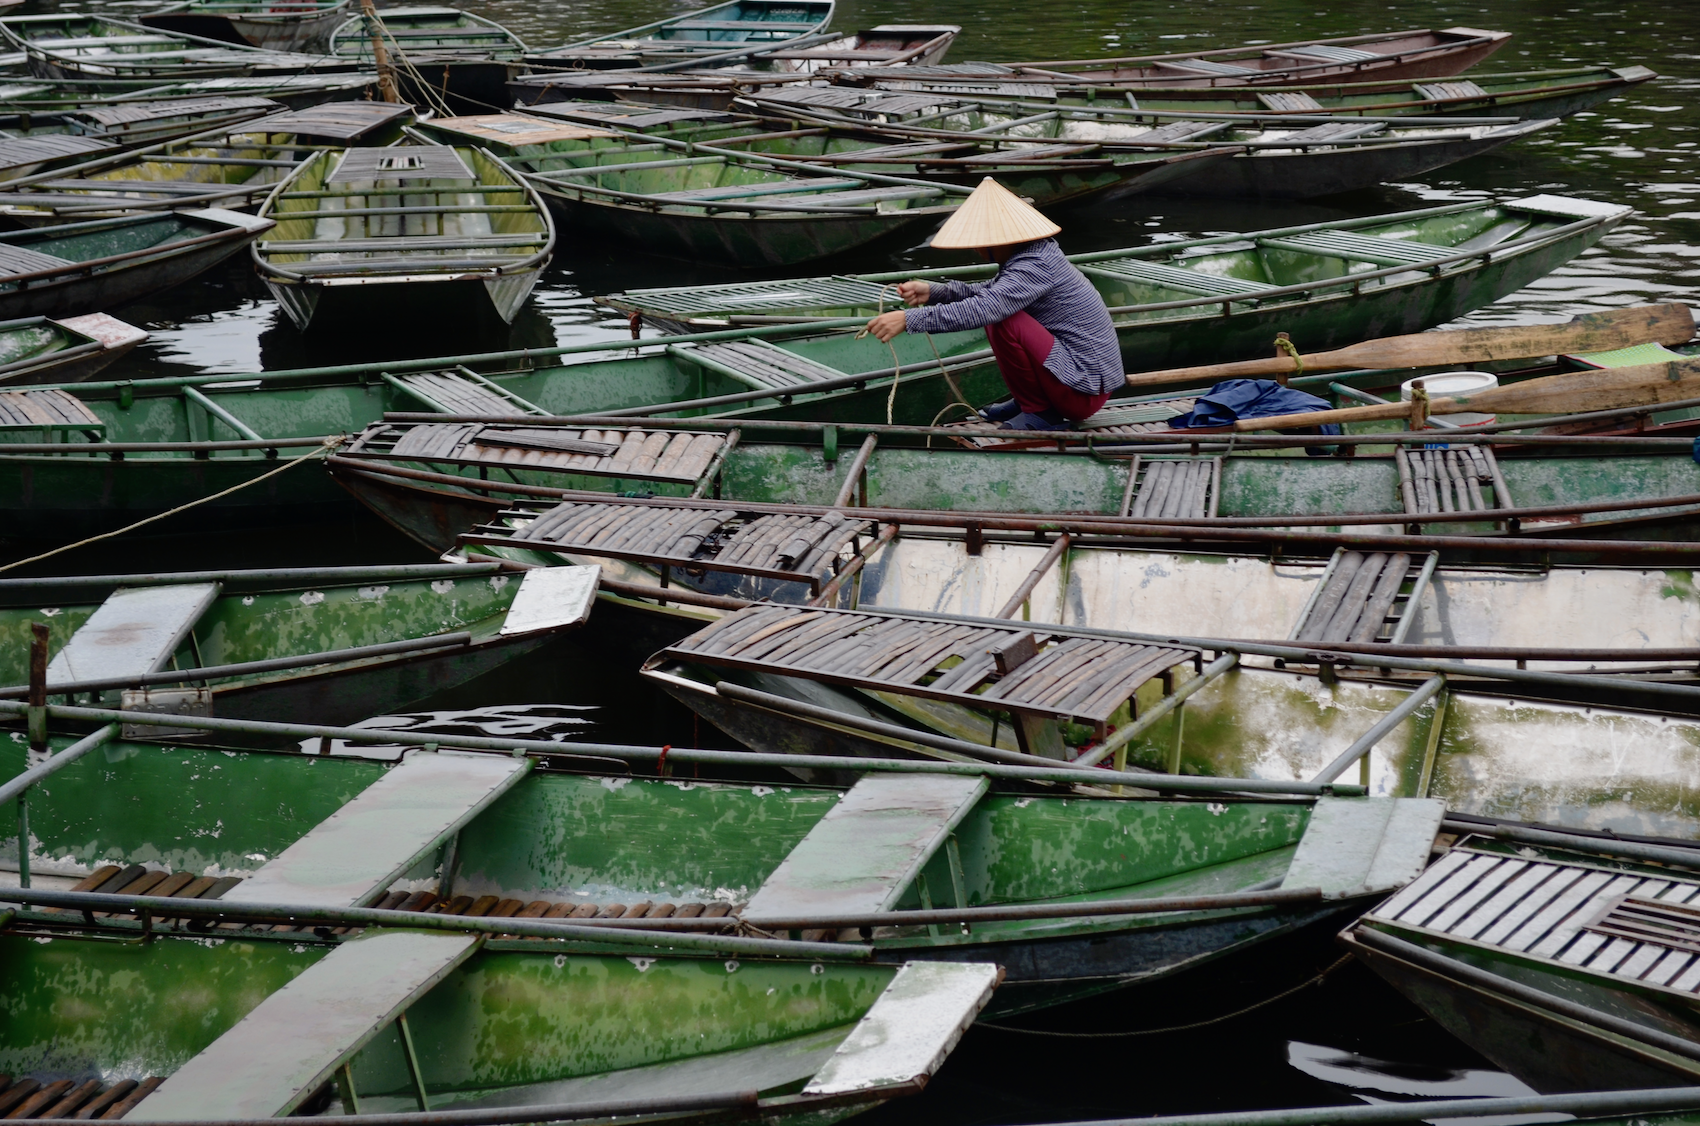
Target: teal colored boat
(340,643)
(1200,300)
(538,839)
(720,33)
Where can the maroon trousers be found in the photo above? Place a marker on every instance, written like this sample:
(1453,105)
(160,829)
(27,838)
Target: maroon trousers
(1021,346)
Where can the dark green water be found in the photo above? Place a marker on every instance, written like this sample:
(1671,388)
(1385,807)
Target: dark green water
(1350,1034)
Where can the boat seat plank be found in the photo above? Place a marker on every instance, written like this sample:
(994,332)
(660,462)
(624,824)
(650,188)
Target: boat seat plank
(1063,678)
(457,394)
(1173,277)
(910,1029)
(1360,248)
(28,150)
(865,853)
(738,25)
(135,631)
(1176,489)
(1465,479)
(791,548)
(1355,601)
(1365,846)
(423,162)
(48,408)
(1207,66)
(628,453)
(1177,131)
(760,361)
(350,858)
(16,260)
(551,598)
(1289,101)
(274,1058)
(1448,90)
(1333,131)
(804,293)
(1327,53)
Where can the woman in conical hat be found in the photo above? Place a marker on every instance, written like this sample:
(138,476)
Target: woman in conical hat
(1052,336)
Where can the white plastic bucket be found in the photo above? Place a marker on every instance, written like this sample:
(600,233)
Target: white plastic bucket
(1444,384)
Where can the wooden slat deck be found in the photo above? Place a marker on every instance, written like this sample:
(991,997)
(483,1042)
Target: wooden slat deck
(1543,909)
(1465,479)
(1176,488)
(758,362)
(756,297)
(30,1099)
(1085,679)
(1449,89)
(49,408)
(1357,597)
(798,548)
(456,394)
(645,455)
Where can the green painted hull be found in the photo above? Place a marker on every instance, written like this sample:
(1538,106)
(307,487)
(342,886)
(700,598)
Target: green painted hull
(1160,325)
(260,620)
(516,1023)
(572,838)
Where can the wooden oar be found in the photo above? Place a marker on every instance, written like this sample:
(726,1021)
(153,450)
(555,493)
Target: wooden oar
(1571,393)
(1590,332)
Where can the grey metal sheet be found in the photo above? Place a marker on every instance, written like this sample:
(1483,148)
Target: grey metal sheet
(280,1053)
(1365,846)
(134,631)
(352,856)
(910,1029)
(868,848)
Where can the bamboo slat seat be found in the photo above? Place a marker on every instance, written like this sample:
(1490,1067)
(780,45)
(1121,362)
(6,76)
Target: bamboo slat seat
(1173,277)
(1207,66)
(1334,131)
(1449,89)
(22,260)
(652,455)
(1328,53)
(803,293)
(457,394)
(48,408)
(1358,597)
(757,362)
(773,545)
(1176,489)
(1464,479)
(1019,668)
(1360,248)
(1177,131)
(1288,101)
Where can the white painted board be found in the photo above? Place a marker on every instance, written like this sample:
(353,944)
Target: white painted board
(552,598)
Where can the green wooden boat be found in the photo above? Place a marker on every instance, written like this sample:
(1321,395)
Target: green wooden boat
(427,34)
(1565,959)
(340,644)
(1049,175)
(884,45)
(276,25)
(106,263)
(297,91)
(1199,300)
(1525,95)
(1424,53)
(101,49)
(538,840)
(714,34)
(427,231)
(42,350)
(1282,157)
(132,124)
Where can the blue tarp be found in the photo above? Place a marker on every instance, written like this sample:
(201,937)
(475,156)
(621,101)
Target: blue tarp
(1234,399)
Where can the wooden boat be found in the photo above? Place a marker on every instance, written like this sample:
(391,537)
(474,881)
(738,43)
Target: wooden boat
(729,207)
(234,169)
(1566,959)
(1241,294)
(293,91)
(629,848)
(446,58)
(1046,176)
(721,1013)
(718,33)
(886,45)
(40,140)
(341,644)
(473,241)
(107,263)
(1281,158)
(92,47)
(1526,96)
(40,350)
(1354,58)
(289,25)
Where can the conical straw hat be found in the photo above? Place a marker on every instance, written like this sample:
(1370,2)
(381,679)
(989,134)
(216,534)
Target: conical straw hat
(992,216)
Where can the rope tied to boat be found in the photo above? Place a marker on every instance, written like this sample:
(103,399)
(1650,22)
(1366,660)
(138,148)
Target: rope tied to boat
(1284,343)
(1316,979)
(897,365)
(322,450)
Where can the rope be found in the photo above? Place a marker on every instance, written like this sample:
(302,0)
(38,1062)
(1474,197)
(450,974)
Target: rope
(1284,344)
(897,366)
(326,447)
(1317,980)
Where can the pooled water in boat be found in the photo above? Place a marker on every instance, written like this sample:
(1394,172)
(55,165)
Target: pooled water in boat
(549,723)
(1347,1040)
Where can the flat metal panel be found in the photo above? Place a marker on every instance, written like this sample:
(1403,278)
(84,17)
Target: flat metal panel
(134,631)
(910,1029)
(552,598)
(1360,846)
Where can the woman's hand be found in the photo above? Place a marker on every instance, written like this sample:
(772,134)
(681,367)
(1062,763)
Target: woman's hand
(915,292)
(888,325)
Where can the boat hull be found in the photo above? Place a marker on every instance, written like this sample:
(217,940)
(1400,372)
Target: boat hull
(1551,1053)
(425,300)
(274,33)
(744,243)
(119,283)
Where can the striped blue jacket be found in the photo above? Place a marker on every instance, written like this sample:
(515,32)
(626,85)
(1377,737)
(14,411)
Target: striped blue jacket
(1038,279)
